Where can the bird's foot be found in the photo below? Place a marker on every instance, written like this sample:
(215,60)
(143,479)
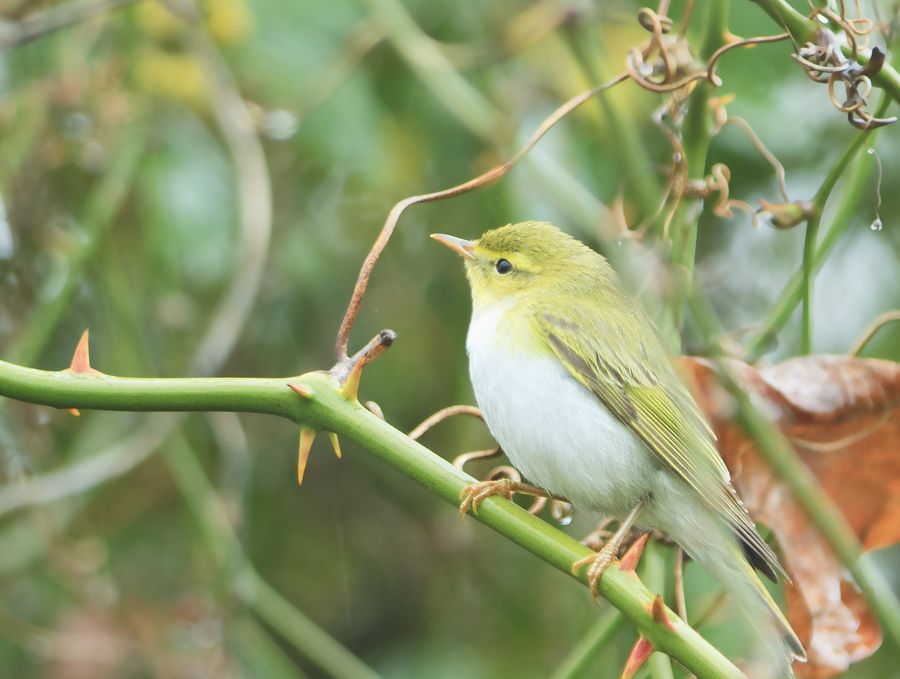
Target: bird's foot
(475,493)
(597,564)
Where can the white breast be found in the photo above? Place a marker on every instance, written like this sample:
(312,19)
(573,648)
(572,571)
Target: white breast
(554,430)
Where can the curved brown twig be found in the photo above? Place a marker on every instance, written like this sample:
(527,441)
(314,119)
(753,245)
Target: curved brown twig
(764,152)
(743,42)
(492,175)
(460,461)
(440,416)
(874,327)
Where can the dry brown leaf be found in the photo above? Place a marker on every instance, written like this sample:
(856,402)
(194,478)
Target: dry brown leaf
(842,415)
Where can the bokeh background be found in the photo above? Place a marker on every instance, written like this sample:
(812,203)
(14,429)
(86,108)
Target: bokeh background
(133,201)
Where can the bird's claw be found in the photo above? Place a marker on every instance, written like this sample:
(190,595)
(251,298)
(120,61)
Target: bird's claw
(475,493)
(597,564)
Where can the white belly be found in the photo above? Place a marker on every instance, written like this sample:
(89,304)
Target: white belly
(554,430)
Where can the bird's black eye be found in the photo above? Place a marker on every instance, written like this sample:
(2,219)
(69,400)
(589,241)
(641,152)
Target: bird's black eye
(503,266)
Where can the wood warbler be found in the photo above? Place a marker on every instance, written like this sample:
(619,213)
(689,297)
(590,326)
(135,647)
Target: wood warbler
(576,387)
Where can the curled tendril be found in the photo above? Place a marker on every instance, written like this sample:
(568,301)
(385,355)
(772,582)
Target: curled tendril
(735,42)
(717,182)
(666,54)
(460,461)
(823,62)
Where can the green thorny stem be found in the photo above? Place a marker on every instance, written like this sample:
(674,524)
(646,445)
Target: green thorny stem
(319,401)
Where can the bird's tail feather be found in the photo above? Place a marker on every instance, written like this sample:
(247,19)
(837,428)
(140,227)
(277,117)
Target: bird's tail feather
(719,553)
(785,631)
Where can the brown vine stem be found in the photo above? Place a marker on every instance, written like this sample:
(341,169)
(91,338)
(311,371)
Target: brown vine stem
(492,175)
(440,416)
(872,330)
(727,47)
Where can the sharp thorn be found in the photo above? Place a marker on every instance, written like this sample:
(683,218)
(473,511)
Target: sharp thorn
(632,557)
(75,412)
(350,388)
(81,359)
(642,650)
(307,436)
(302,390)
(658,611)
(335,443)
(375,409)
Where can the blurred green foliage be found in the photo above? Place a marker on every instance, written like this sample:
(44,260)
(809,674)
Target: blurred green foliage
(120,213)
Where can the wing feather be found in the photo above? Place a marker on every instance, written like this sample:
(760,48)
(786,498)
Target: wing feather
(633,377)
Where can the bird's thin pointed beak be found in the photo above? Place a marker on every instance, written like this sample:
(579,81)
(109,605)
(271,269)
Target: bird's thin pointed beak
(458,245)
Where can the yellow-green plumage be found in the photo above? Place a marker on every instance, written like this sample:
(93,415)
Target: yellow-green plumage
(558,318)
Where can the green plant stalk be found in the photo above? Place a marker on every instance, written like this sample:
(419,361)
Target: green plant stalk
(587,651)
(328,409)
(654,574)
(101,208)
(631,150)
(809,254)
(792,471)
(799,286)
(259,653)
(812,228)
(435,70)
(251,589)
(803,30)
(696,137)
(20,133)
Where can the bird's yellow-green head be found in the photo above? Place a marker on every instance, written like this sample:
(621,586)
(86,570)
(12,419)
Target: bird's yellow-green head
(526,257)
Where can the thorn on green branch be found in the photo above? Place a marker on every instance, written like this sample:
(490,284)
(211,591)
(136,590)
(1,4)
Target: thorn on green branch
(307,436)
(641,651)
(632,557)
(658,611)
(302,390)
(335,444)
(81,359)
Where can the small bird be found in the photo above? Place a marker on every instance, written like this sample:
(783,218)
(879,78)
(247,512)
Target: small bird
(576,387)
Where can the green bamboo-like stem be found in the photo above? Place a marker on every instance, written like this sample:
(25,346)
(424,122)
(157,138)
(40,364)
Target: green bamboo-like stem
(809,254)
(803,30)
(794,473)
(261,654)
(327,408)
(258,595)
(654,573)
(696,137)
(631,149)
(812,228)
(435,69)
(102,206)
(585,654)
(799,286)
